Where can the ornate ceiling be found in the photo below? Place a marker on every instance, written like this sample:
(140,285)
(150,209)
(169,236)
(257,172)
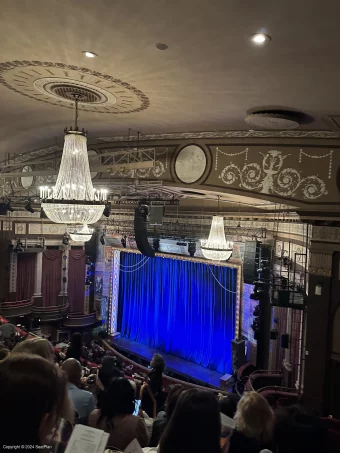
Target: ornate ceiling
(207,80)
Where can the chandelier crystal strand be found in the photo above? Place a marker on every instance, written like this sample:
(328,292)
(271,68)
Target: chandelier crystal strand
(217,248)
(83,234)
(73,199)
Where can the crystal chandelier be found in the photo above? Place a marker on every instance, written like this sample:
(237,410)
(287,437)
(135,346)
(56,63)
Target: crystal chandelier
(217,248)
(82,234)
(73,198)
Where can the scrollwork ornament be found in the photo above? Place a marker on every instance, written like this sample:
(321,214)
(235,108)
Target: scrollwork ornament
(251,175)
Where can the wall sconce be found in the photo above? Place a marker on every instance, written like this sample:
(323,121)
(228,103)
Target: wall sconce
(318,289)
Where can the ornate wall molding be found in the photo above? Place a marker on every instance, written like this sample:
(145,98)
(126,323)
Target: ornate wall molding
(320,263)
(274,171)
(114,293)
(225,134)
(326,234)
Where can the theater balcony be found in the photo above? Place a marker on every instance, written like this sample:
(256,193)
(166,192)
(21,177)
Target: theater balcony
(16,308)
(53,313)
(80,320)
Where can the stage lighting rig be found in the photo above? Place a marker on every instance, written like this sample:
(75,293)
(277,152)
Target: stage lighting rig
(123,241)
(107,210)
(28,207)
(192,248)
(102,239)
(143,211)
(156,244)
(66,239)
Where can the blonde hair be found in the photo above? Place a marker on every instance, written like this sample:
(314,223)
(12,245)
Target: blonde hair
(37,346)
(254,417)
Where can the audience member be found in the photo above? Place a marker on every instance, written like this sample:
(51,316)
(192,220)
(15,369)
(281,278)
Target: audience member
(82,400)
(151,393)
(38,346)
(32,395)
(109,370)
(254,425)
(228,407)
(194,426)
(298,432)
(76,347)
(160,423)
(3,353)
(7,330)
(115,416)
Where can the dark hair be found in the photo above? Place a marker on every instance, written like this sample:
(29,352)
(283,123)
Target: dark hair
(117,399)
(158,362)
(76,346)
(172,399)
(195,425)
(30,389)
(109,371)
(296,431)
(228,406)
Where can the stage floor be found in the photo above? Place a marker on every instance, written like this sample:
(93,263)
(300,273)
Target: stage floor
(175,364)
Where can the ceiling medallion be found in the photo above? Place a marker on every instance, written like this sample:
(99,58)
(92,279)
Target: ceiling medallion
(56,83)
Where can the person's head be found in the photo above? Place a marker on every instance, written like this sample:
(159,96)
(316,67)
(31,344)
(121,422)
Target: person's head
(254,417)
(157,362)
(172,399)
(118,399)
(32,394)
(228,406)
(194,426)
(3,353)
(38,346)
(72,368)
(108,371)
(296,431)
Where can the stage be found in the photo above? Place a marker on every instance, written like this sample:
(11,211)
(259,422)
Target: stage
(179,366)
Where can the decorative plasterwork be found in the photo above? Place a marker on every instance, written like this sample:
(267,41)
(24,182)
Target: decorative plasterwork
(114,293)
(326,234)
(13,272)
(20,228)
(46,228)
(53,83)
(268,173)
(226,134)
(320,263)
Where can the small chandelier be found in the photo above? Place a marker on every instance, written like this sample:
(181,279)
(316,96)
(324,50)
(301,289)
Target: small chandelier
(82,234)
(217,248)
(73,198)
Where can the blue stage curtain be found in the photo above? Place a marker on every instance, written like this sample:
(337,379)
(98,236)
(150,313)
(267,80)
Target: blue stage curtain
(177,306)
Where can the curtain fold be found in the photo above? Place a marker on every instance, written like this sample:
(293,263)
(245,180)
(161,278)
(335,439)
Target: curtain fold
(177,306)
(76,280)
(51,277)
(25,275)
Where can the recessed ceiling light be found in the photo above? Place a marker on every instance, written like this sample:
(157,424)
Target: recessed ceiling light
(89,54)
(260,38)
(161,46)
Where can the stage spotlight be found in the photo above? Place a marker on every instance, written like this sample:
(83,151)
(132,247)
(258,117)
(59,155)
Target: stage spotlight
(107,210)
(19,247)
(258,295)
(102,239)
(192,248)
(182,244)
(88,261)
(156,244)
(123,241)
(256,324)
(28,207)
(66,239)
(88,281)
(9,207)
